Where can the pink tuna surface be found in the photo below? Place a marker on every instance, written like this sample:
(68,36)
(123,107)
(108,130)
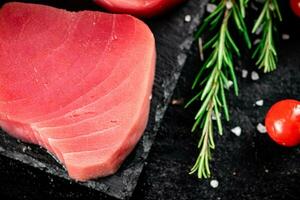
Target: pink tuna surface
(76,83)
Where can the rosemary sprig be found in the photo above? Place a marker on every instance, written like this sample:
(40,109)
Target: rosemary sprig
(265,52)
(215,76)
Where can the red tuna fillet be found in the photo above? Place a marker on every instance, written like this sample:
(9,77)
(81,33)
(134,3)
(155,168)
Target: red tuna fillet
(144,8)
(76,83)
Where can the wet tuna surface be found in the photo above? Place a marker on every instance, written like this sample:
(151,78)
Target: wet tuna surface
(247,167)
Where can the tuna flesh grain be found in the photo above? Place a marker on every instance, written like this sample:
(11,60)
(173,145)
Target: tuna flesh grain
(75,83)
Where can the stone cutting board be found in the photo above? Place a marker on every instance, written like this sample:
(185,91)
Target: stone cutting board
(174,37)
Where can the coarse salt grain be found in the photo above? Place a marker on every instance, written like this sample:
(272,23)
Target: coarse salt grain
(259,102)
(261,128)
(214,183)
(256,41)
(210,7)
(213,116)
(285,36)
(254,76)
(244,73)
(177,101)
(187,18)
(237,131)
(229,84)
(24,149)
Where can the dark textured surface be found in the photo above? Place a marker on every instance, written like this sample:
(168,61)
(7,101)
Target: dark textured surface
(172,46)
(249,167)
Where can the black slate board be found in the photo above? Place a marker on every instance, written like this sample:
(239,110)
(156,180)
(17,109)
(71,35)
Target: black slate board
(174,39)
(249,167)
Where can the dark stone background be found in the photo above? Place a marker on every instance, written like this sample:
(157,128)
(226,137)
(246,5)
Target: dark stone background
(247,167)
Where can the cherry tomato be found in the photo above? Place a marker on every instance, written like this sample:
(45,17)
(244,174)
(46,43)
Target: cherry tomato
(143,8)
(283,122)
(295,5)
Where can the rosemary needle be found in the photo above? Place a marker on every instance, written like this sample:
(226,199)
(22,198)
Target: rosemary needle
(214,76)
(265,52)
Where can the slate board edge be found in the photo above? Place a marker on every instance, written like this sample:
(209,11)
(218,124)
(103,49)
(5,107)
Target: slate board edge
(168,86)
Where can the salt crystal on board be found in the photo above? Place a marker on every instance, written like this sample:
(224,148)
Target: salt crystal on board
(237,131)
(214,117)
(254,76)
(244,73)
(210,7)
(261,128)
(259,102)
(214,183)
(187,18)
(229,84)
(285,36)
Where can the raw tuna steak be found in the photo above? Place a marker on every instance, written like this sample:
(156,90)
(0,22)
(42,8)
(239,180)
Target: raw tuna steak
(76,83)
(145,8)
